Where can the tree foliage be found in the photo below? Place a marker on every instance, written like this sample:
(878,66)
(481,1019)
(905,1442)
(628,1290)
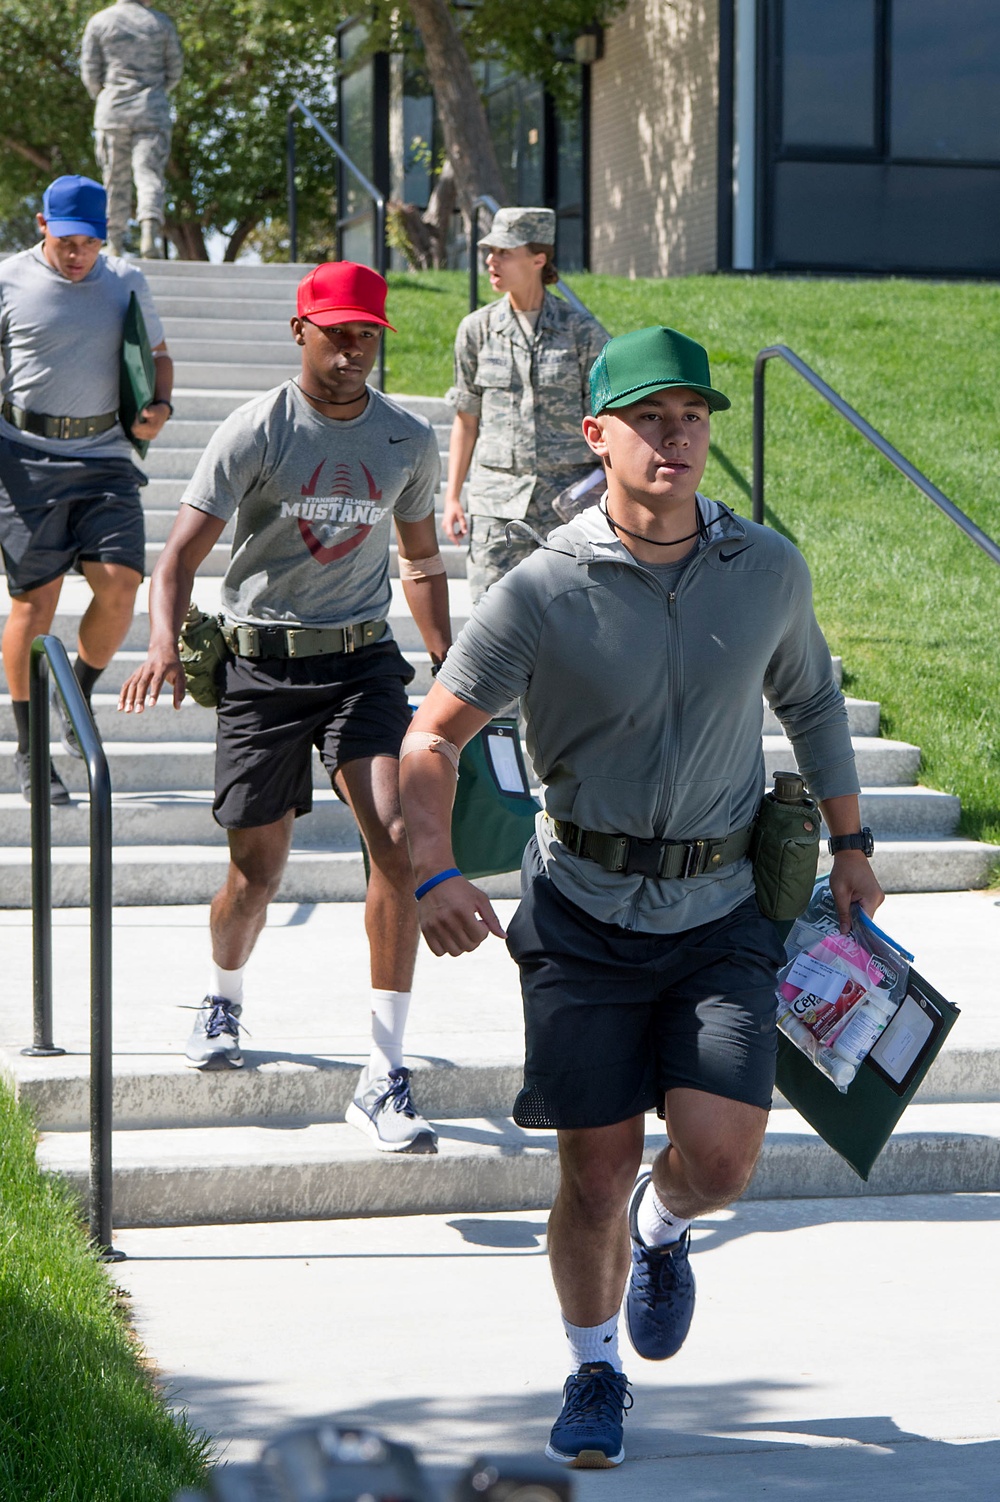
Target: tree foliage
(245,60)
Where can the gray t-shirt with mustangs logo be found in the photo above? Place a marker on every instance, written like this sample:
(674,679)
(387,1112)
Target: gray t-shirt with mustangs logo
(314,498)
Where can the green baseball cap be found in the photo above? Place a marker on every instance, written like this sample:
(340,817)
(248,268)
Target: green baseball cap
(634,365)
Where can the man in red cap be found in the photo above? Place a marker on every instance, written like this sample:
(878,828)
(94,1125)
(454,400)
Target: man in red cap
(317,470)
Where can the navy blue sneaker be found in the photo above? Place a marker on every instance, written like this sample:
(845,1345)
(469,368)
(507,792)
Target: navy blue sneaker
(588,1433)
(659,1300)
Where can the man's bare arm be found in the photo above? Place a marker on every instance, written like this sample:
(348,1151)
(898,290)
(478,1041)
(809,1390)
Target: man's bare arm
(852,878)
(427,594)
(191,539)
(455,917)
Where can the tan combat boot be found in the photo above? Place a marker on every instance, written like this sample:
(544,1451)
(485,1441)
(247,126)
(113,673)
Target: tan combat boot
(149,241)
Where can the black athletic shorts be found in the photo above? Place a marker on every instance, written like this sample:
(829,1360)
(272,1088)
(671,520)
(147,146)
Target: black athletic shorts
(614,1019)
(273,711)
(57,513)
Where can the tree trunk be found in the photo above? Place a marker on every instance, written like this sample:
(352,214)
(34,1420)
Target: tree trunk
(467,137)
(238,238)
(189,239)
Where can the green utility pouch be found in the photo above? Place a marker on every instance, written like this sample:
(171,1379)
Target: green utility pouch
(784,848)
(203,653)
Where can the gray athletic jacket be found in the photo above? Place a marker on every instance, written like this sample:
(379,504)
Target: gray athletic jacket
(643,704)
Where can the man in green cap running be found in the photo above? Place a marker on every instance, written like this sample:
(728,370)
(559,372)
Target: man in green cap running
(642,639)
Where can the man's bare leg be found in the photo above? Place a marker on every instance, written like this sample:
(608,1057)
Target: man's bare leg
(107,618)
(31,615)
(371,788)
(382,1107)
(257,860)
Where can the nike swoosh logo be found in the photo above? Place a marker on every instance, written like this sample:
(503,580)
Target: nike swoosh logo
(728,557)
(404,439)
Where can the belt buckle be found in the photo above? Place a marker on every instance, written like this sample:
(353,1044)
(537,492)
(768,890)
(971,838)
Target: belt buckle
(695,858)
(350,644)
(248,641)
(643,857)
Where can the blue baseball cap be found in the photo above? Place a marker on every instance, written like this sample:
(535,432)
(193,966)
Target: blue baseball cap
(75,206)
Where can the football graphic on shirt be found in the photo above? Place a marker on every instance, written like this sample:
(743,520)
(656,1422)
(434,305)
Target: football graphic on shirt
(334,524)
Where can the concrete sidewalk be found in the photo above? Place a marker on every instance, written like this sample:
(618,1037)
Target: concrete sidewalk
(853,1353)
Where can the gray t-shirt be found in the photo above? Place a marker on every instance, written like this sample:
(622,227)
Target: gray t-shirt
(60,342)
(315,498)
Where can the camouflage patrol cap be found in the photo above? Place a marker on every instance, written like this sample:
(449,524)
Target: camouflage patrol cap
(514,227)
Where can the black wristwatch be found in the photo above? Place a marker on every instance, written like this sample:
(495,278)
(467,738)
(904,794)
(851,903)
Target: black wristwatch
(862,842)
(161,401)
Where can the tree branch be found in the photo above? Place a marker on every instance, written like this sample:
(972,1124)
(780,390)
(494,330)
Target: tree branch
(29,153)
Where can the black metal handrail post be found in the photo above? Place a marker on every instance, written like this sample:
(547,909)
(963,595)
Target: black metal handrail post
(49,655)
(377,198)
(872,435)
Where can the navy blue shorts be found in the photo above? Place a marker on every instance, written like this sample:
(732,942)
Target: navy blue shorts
(614,1019)
(273,711)
(56,513)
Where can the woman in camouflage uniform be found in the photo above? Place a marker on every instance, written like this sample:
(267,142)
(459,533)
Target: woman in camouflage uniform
(522,369)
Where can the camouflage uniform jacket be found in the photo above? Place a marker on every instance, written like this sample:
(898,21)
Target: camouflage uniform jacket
(130,60)
(530,398)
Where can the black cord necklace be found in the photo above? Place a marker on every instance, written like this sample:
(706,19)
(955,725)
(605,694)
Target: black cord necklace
(325,400)
(617,527)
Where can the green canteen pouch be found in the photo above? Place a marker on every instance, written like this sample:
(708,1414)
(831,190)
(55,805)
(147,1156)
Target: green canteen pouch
(784,852)
(203,653)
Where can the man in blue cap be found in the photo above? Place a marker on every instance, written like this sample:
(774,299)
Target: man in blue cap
(69,490)
(642,639)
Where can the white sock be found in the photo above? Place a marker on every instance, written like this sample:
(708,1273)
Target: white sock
(654,1222)
(389,1013)
(227,984)
(593,1342)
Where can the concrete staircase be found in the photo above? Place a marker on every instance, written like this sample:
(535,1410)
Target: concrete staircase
(280,1146)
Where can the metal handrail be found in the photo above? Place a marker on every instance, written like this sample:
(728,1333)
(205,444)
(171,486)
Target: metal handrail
(873,436)
(486,201)
(377,198)
(49,654)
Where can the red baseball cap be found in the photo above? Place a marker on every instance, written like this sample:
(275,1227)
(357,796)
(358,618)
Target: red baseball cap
(343,292)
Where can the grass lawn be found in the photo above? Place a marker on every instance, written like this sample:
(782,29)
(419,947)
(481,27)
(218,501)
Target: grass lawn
(909,602)
(79,1418)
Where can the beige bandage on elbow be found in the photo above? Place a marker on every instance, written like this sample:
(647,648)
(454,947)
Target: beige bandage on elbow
(423,740)
(421,568)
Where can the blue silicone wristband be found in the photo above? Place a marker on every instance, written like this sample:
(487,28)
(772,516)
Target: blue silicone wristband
(435,881)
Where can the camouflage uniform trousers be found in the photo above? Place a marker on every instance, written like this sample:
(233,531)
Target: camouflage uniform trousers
(125,153)
(490,554)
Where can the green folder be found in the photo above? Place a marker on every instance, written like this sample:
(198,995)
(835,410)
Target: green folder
(137,375)
(494,814)
(858,1124)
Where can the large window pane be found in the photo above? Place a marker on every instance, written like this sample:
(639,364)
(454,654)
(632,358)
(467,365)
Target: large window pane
(946,79)
(828,76)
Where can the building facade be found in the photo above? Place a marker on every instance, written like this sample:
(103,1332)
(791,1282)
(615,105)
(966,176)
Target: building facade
(762,135)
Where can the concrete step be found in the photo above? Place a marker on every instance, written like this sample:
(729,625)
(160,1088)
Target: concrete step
(173,818)
(194,403)
(248,376)
(147,766)
(161,875)
(152,875)
(110,723)
(880,763)
(161,1091)
(177,305)
(328,1171)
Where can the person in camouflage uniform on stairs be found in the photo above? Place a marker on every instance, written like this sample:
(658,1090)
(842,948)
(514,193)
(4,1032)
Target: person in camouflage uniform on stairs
(522,366)
(130,61)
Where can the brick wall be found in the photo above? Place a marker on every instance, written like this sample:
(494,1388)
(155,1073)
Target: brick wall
(654,112)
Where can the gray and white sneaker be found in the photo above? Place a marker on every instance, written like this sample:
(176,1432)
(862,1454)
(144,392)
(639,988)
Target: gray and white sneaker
(215,1038)
(67,734)
(383,1109)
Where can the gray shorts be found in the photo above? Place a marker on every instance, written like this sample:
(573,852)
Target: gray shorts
(57,513)
(614,1019)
